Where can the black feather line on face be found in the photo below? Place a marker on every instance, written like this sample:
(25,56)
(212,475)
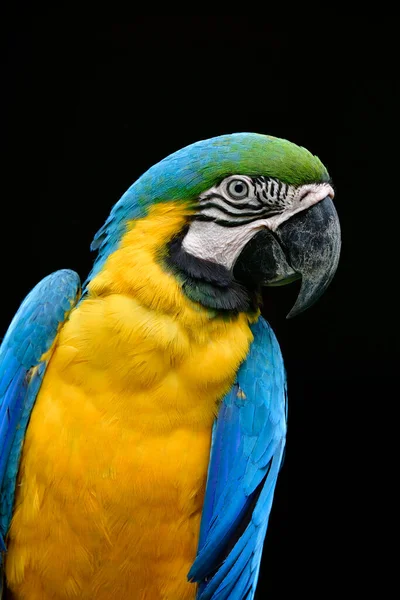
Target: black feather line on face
(257,213)
(239,204)
(268,199)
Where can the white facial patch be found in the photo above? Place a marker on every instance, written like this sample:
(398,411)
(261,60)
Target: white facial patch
(216,243)
(232,212)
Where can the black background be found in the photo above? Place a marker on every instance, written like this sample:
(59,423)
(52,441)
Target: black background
(87,109)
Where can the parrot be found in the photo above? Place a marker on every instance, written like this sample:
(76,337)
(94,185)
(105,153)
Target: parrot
(143,412)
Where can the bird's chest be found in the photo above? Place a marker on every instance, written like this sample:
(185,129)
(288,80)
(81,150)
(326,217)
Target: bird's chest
(105,511)
(115,460)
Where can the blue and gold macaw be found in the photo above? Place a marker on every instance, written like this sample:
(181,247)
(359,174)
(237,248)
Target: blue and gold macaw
(143,420)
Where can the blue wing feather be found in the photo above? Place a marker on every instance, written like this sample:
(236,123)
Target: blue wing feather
(30,335)
(246,455)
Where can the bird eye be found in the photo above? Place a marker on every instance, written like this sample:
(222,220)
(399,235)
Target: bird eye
(237,189)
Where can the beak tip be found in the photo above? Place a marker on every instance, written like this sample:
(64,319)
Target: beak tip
(294,312)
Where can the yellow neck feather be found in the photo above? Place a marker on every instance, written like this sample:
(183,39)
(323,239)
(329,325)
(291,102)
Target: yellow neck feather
(135,268)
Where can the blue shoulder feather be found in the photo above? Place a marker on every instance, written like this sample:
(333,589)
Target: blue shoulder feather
(31,334)
(246,455)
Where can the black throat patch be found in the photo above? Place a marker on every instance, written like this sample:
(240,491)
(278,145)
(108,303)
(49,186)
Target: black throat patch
(209,283)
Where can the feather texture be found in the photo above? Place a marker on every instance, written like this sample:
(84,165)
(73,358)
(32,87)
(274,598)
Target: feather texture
(24,354)
(247,448)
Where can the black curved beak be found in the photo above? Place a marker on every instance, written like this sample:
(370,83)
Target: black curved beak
(307,245)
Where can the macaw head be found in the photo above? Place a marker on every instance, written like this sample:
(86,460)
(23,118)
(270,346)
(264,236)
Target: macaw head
(260,213)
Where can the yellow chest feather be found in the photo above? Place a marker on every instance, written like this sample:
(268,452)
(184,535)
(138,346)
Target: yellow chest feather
(114,464)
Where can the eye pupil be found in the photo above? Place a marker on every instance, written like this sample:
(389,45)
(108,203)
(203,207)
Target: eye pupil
(238,189)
